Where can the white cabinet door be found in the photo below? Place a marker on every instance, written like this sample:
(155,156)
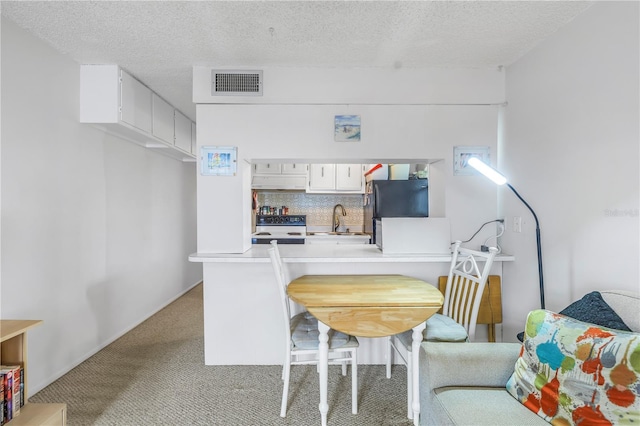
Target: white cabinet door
(294,169)
(267,168)
(349,177)
(193,138)
(162,119)
(183,132)
(322,177)
(99,94)
(135,103)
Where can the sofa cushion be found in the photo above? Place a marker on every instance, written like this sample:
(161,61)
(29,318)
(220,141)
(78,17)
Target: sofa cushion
(478,406)
(572,372)
(626,304)
(592,308)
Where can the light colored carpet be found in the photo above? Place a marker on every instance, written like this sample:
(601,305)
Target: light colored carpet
(155,375)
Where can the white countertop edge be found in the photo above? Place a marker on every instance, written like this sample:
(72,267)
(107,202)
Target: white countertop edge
(325,254)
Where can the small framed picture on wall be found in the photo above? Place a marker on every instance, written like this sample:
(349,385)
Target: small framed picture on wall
(462,154)
(218,160)
(346,128)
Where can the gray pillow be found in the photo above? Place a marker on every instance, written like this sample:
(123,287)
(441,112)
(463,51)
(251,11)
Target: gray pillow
(592,308)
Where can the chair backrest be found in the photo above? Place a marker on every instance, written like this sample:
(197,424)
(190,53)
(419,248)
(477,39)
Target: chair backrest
(465,285)
(282,281)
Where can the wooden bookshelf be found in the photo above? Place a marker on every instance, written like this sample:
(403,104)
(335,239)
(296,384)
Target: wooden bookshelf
(13,351)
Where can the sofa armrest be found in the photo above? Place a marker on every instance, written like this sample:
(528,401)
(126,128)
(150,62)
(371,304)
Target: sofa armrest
(466,364)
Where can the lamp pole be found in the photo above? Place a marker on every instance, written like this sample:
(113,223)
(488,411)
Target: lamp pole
(499,179)
(538,243)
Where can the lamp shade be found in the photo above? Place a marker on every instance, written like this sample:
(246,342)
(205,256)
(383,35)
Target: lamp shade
(489,172)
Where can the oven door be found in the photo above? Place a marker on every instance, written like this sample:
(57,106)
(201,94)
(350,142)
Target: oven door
(280,240)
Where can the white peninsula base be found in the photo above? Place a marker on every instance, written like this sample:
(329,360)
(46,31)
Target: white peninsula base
(242,314)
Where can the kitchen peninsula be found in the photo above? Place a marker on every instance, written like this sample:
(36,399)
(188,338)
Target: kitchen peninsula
(293,122)
(242,314)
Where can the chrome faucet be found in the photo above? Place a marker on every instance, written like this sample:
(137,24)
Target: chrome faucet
(336,216)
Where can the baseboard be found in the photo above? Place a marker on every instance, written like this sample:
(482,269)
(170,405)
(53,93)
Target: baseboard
(36,388)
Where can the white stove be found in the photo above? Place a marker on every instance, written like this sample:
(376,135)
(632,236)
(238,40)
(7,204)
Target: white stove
(285,229)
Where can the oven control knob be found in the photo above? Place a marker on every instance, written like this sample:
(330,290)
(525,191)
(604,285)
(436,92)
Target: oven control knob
(268,219)
(285,219)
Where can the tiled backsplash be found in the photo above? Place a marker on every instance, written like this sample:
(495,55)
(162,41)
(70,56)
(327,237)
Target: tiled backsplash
(318,207)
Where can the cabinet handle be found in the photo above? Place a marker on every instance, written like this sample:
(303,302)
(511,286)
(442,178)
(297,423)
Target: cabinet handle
(349,171)
(322,171)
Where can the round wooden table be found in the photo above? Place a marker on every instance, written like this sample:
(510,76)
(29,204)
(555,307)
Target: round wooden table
(366,306)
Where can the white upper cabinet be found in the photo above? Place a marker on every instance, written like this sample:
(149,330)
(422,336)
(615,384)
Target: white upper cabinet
(336,178)
(294,169)
(136,103)
(116,102)
(193,138)
(163,122)
(277,169)
(291,176)
(349,177)
(267,168)
(183,132)
(322,177)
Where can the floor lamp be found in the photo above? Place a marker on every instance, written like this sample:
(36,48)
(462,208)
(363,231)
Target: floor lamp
(499,179)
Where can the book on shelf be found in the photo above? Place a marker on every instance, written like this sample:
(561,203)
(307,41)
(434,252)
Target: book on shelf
(21,387)
(1,398)
(14,389)
(7,379)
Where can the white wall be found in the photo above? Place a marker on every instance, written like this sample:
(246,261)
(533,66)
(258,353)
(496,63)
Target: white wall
(290,128)
(569,145)
(96,231)
(571,150)
(362,86)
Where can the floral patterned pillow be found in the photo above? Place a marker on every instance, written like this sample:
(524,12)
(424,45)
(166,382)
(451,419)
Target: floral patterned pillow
(576,373)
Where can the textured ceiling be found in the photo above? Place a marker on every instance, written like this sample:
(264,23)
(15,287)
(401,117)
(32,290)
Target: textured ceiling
(160,41)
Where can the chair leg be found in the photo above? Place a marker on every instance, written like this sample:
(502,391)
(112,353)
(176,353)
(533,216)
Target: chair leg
(286,370)
(344,368)
(354,382)
(409,386)
(389,354)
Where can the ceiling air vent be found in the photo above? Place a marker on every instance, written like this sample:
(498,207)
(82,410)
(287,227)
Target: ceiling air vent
(236,83)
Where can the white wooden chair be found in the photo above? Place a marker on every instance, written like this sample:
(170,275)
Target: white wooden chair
(301,343)
(457,323)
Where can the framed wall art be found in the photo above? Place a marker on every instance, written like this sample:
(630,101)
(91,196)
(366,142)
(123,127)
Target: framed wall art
(346,128)
(462,154)
(218,160)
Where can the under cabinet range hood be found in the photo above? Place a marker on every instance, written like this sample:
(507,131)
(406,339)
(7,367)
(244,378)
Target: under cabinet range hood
(282,182)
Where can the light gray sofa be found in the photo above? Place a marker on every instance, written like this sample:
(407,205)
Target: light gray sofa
(464,383)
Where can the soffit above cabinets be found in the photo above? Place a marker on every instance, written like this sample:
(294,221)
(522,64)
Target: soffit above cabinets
(160,41)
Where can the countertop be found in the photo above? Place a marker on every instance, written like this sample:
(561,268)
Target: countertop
(321,253)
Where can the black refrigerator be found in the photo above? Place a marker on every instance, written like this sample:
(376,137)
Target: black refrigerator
(394,198)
